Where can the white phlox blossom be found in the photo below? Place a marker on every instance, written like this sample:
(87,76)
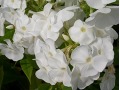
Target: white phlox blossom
(104,17)
(86,66)
(103,46)
(50,22)
(81,33)
(10,14)
(52,63)
(42,63)
(0,2)
(2,20)
(98,4)
(79,81)
(107,32)
(15,4)
(47,12)
(112,33)
(46,25)
(51,29)
(108,81)
(11,50)
(24,26)
(66,13)
(88,63)
(27,43)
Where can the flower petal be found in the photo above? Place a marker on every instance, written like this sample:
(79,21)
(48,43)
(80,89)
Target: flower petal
(81,53)
(47,8)
(88,70)
(97,4)
(99,63)
(42,74)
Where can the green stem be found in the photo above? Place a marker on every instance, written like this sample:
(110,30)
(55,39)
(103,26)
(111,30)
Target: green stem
(14,64)
(91,10)
(59,86)
(51,87)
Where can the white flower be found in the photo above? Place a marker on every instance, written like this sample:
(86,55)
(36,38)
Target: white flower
(66,13)
(103,46)
(100,32)
(2,20)
(52,61)
(45,14)
(27,43)
(97,4)
(105,17)
(12,51)
(112,33)
(108,81)
(42,73)
(30,49)
(90,65)
(15,4)
(81,33)
(12,3)
(24,27)
(23,5)
(42,62)
(107,32)
(1,2)
(9,15)
(46,23)
(60,71)
(79,81)
(49,22)
(55,23)
(51,29)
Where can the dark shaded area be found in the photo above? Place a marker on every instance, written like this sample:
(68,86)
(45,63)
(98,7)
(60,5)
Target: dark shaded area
(14,78)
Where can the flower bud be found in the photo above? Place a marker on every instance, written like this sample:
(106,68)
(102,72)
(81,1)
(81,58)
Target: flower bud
(66,38)
(10,27)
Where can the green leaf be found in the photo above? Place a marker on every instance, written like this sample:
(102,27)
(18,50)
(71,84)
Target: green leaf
(66,88)
(44,87)
(1,76)
(27,67)
(84,6)
(116,56)
(13,78)
(35,82)
(35,6)
(8,35)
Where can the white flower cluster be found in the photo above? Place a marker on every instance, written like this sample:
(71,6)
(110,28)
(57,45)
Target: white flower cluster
(40,35)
